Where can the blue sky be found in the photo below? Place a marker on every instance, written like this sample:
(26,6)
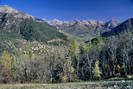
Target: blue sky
(75,9)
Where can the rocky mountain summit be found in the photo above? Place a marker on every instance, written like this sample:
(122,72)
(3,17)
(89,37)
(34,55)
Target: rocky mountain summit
(10,17)
(57,22)
(7,9)
(18,14)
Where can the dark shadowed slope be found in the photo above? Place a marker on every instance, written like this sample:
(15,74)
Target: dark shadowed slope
(126,26)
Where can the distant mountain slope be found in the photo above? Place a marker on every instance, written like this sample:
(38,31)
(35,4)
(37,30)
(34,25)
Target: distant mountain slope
(25,26)
(126,26)
(84,29)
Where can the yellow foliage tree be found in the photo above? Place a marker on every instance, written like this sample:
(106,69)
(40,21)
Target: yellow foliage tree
(97,71)
(120,69)
(85,47)
(74,49)
(74,52)
(7,60)
(69,73)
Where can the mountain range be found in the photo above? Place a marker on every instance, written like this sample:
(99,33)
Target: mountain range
(84,29)
(22,25)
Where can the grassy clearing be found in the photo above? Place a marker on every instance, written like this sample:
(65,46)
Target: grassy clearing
(79,85)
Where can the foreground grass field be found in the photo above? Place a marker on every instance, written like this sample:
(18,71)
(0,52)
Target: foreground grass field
(80,85)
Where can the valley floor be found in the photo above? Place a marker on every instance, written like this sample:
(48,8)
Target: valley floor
(80,85)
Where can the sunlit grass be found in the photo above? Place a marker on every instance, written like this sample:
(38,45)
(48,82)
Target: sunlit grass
(74,85)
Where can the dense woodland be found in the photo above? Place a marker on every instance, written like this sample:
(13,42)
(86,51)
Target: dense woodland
(34,62)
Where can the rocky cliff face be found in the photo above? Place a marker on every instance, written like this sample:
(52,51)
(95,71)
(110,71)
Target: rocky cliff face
(18,14)
(84,29)
(10,17)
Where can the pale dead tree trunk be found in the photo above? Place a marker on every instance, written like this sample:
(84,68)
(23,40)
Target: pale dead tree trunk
(51,67)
